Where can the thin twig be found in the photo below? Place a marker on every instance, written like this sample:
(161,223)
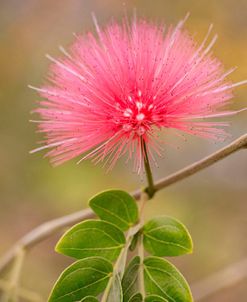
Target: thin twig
(22,292)
(207,161)
(45,230)
(12,293)
(42,232)
(224,278)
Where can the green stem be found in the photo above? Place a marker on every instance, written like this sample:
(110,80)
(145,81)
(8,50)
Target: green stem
(141,268)
(143,200)
(151,188)
(119,266)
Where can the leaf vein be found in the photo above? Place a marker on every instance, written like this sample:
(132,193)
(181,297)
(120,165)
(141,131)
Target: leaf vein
(167,242)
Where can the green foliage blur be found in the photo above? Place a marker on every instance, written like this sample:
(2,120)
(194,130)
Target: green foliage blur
(212,204)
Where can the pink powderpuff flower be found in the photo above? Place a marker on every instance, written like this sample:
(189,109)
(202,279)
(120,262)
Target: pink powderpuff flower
(109,95)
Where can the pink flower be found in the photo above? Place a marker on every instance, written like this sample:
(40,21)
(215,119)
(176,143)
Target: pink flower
(111,94)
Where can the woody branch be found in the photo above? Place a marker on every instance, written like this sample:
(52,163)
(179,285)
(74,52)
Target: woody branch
(48,228)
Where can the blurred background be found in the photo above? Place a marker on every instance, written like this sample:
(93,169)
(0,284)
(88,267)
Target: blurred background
(213,203)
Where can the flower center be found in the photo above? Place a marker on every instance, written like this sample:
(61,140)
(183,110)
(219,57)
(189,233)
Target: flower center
(137,117)
(140,117)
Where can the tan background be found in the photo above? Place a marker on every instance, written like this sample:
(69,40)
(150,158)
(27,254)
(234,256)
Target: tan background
(212,204)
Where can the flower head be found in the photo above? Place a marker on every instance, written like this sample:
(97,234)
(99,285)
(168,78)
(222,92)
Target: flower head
(111,94)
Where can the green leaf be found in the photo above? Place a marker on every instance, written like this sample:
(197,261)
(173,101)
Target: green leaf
(130,279)
(163,279)
(136,298)
(116,292)
(117,207)
(155,298)
(92,238)
(166,236)
(89,299)
(86,277)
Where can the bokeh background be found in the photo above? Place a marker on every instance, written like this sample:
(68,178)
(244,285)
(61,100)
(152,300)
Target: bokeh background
(213,203)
